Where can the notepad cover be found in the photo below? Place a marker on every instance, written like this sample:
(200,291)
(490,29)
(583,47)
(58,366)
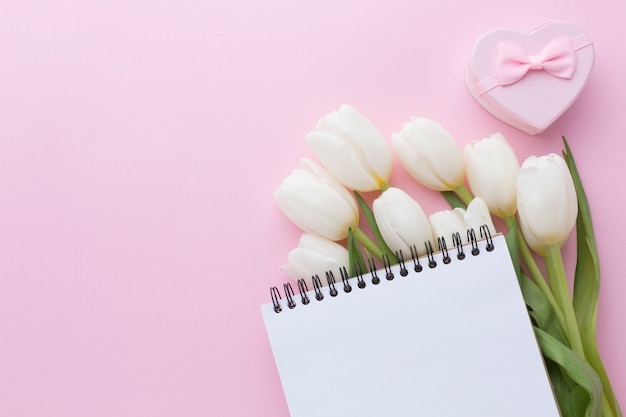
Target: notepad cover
(455,340)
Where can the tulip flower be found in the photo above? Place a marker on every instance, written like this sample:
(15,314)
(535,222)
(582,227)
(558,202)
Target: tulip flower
(492,168)
(447,222)
(401,221)
(548,207)
(317,203)
(477,215)
(315,255)
(352,149)
(533,242)
(546,199)
(430,155)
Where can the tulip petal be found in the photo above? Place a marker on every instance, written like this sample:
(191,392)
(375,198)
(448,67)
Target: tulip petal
(477,215)
(492,169)
(352,149)
(446,223)
(401,221)
(546,199)
(324,177)
(366,137)
(314,256)
(429,154)
(317,203)
(343,160)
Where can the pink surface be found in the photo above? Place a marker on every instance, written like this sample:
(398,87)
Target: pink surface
(140,146)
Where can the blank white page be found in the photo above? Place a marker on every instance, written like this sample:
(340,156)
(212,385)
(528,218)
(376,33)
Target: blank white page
(452,341)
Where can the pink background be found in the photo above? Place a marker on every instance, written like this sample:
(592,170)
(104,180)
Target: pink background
(140,146)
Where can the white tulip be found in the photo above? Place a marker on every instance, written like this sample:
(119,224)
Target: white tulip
(445,223)
(352,149)
(315,255)
(401,221)
(477,215)
(492,168)
(317,203)
(430,154)
(535,244)
(546,200)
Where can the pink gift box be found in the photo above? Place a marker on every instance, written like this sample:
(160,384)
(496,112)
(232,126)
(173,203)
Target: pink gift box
(529,79)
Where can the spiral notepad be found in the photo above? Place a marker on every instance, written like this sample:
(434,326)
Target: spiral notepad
(447,334)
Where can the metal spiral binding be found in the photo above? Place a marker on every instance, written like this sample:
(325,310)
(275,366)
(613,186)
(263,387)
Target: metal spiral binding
(416,260)
(344,279)
(317,286)
(471,237)
(375,279)
(359,276)
(303,288)
(430,253)
(457,242)
(443,248)
(486,234)
(403,271)
(387,265)
(330,278)
(289,294)
(275,299)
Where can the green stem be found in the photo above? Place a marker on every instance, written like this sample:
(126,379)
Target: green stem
(463,194)
(367,243)
(593,357)
(535,272)
(384,187)
(371,220)
(607,410)
(558,284)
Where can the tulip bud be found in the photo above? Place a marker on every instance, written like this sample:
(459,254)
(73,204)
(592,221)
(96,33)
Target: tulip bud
(535,244)
(477,215)
(401,221)
(448,222)
(315,255)
(352,149)
(492,168)
(317,203)
(430,154)
(546,200)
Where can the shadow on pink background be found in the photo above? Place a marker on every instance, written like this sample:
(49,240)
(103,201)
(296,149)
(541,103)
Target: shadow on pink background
(140,146)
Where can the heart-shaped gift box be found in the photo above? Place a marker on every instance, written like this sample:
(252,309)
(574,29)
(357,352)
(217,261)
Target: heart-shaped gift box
(529,79)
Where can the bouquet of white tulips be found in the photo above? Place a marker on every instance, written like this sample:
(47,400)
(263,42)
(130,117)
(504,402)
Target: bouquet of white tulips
(540,203)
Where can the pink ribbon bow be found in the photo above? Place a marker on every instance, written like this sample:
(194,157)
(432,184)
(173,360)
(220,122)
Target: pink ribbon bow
(557,58)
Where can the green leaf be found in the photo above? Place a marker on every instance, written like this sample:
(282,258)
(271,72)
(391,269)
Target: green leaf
(512,242)
(562,386)
(587,280)
(577,369)
(371,220)
(587,275)
(578,401)
(453,199)
(354,255)
(541,309)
